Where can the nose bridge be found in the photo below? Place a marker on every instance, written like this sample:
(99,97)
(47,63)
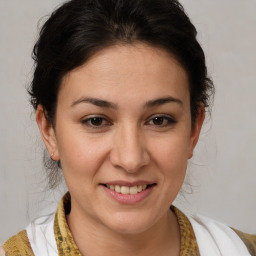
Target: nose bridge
(129,152)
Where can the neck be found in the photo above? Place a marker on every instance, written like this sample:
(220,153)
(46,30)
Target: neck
(163,238)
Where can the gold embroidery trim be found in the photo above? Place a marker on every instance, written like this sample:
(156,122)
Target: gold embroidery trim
(189,245)
(64,240)
(67,246)
(18,245)
(249,241)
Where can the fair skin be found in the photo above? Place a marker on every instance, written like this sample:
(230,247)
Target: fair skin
(123,118)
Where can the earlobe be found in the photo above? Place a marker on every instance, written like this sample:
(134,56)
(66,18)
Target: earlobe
(195,133)
(47,133)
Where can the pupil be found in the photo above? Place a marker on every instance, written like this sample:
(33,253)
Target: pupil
(158,120)
(96,121)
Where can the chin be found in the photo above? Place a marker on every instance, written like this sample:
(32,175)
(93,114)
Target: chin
(129,223)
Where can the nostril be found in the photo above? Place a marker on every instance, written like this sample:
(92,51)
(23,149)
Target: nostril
(129,155)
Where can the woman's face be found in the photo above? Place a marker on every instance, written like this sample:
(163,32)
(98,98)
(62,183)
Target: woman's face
(123,135)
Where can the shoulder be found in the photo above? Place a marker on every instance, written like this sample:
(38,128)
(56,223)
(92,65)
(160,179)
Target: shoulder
(41,236)
(249,241)
(2,251)
(17,245)
(214,234)
(37,239)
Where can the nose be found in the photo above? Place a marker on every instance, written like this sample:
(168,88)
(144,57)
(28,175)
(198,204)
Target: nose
(129,150)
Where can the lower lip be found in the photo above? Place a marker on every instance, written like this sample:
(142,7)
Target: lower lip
(128,198)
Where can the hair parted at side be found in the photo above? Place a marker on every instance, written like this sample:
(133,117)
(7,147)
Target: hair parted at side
(80,28)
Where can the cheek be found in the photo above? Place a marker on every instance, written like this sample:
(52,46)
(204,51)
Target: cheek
(173,147)
(171,156)
(172,165)
(81,156)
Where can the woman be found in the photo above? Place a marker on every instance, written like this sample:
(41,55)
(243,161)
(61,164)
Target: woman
(120,90)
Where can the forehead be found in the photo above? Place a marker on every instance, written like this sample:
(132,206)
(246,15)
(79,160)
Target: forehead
(127,71)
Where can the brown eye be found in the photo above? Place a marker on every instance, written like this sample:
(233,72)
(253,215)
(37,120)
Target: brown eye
(158,120)
(96,122)
(161,121)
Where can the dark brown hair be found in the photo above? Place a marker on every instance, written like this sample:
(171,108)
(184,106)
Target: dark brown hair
(80,28)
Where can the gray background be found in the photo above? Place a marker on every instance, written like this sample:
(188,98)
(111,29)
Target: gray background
(222,172)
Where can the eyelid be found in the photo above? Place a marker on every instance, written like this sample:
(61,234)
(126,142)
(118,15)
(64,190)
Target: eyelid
(85,121)
(171,120)
(106,122)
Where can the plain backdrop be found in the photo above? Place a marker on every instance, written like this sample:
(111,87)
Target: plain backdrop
(221,174)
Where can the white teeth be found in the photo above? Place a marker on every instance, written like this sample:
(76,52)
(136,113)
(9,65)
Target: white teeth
(133,190)
(117,188)
(125,190)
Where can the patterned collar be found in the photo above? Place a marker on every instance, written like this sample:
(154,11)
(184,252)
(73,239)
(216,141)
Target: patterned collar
(67,246)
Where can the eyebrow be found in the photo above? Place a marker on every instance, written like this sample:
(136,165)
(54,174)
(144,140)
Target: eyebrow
(162,101)
(106,104)
(95,101)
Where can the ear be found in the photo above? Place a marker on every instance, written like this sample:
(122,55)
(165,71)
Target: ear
(195,132)
(47,132)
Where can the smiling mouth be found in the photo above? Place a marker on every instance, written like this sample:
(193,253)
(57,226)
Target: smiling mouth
(126,190)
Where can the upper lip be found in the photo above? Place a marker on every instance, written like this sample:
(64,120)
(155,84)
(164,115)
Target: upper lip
(128,183)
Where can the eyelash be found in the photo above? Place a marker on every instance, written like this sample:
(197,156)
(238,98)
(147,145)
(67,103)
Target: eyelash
(88,121)
(165,118)
(168,120)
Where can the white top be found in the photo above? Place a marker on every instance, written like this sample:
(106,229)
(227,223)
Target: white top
(213,238)
(216,239)
(41,236)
